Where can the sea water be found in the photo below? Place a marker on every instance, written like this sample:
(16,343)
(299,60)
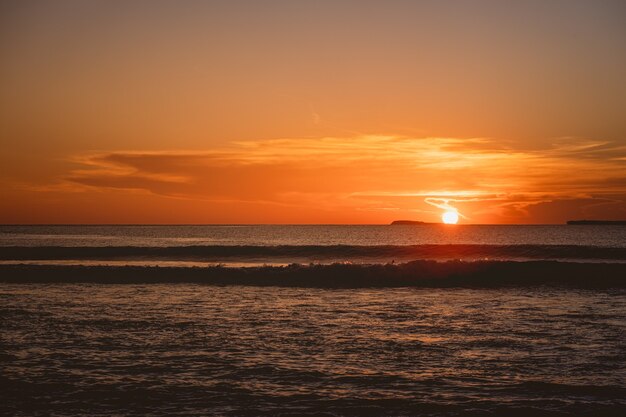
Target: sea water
(293,348)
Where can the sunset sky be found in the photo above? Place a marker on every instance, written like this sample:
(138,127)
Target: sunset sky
(343,111)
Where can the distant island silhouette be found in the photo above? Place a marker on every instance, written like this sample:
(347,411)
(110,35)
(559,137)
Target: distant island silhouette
(597,222)
(408,222)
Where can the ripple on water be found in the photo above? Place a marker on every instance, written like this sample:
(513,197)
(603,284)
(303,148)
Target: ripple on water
(196,350)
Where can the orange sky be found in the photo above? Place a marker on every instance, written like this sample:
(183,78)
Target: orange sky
(312,112)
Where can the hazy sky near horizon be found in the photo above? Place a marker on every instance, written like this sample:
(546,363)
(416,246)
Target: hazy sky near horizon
(337,111)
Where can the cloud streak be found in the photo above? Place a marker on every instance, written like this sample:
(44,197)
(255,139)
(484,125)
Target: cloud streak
(479,177)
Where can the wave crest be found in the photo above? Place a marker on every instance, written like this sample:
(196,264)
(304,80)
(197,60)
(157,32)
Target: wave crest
(411,274)
(317,252)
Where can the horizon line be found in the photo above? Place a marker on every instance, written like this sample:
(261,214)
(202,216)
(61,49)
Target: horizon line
(290,224)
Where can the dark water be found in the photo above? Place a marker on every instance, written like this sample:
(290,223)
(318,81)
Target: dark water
(208,350)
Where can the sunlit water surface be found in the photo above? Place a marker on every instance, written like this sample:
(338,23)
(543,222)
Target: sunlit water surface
(207,350)
(168,236)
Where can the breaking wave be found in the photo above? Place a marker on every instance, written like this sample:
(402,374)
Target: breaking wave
(319,252)
(341,275)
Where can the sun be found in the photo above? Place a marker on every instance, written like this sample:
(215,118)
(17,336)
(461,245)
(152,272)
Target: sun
(450,217)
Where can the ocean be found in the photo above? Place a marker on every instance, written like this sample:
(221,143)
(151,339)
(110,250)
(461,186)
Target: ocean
(313,320)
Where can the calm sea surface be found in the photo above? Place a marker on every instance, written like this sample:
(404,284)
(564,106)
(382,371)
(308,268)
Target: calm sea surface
(165,236)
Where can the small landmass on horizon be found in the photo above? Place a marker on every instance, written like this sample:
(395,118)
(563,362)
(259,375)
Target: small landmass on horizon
(408,222)
(597,222)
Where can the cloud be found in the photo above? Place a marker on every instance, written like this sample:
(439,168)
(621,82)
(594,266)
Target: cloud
(482,176)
